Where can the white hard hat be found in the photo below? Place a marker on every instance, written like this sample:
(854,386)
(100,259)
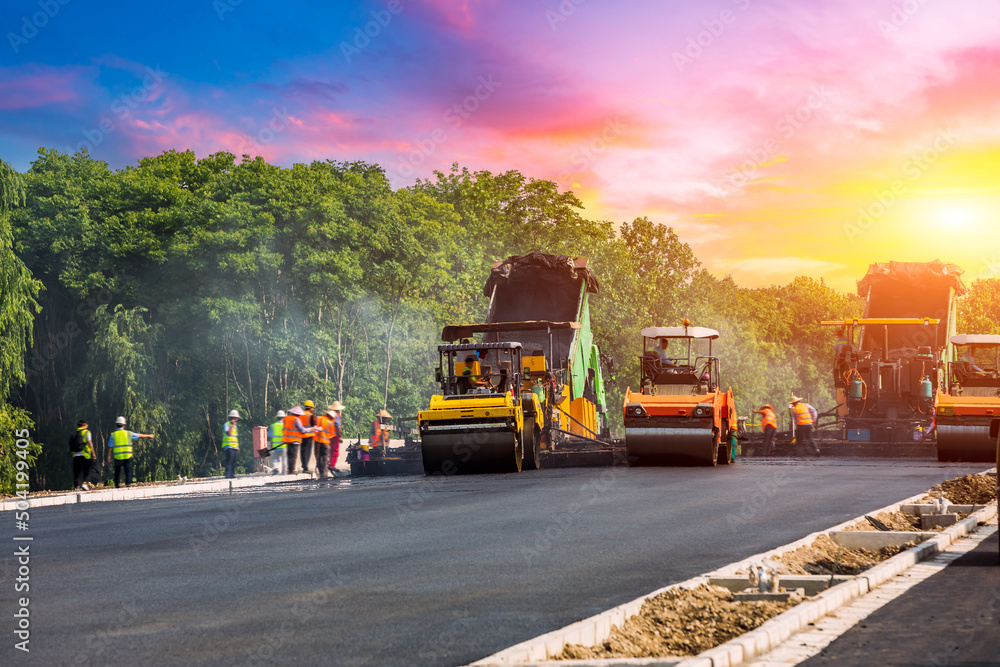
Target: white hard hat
(281,413)
(120,421)
(234,413)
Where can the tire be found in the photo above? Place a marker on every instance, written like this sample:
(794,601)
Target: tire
(532,449)
(724,449)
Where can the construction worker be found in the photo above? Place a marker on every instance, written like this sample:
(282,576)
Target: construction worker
(324,426)
(377,435)
(120,447)
(804,423)
(276,443)
(769,424)
(662,356)
(336,433)
(293,430)
(82,447)
(309,419)
(231,443)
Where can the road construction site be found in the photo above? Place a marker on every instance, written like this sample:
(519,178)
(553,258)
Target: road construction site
(416,570)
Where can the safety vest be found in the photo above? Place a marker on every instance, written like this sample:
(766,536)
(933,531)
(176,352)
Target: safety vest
(230,439)
(378,436)
(87,451)
(277,429)
(121,444)
(322,436)
(803,417)
(768,418)
(290,432)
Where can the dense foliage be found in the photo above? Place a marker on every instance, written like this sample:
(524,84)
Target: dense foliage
(179,289)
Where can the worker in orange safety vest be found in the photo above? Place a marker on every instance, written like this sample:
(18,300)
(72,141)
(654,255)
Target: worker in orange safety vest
(804,423)
(295,428)
(769,425)
(377,436)
(336,433)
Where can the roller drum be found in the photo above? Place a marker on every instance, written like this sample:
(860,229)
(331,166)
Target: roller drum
(965,443)
(465,451)
(670,447)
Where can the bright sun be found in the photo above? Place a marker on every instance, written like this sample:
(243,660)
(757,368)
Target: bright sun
(956,217)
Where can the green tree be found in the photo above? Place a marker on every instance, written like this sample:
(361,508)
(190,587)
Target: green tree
(18,305)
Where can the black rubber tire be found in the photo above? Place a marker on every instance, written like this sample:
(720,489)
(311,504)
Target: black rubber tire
(532,448)
(724,449)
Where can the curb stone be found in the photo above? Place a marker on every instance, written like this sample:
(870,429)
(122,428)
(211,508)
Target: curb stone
(590,631)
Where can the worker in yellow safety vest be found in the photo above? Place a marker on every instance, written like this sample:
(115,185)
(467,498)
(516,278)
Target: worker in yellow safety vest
(82,447)
(276,443)
(804,424)
(231,443)
(769,425)
(120,447)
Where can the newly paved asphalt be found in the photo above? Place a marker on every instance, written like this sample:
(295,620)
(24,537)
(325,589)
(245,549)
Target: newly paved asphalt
(407,570)
(951,619)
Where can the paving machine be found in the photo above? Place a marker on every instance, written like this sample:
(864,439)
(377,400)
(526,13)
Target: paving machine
(681,415)
(969,399)
(539,303)
(888,364)
(477,424)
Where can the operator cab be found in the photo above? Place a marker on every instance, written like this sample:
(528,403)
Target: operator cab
(488,369)
(975,371)
(671,364)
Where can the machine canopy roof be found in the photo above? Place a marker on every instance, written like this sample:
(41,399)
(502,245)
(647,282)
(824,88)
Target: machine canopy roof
(975,339)
(680,332)
(461,347)
(456,331)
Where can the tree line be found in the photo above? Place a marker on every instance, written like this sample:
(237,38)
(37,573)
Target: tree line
(176,290)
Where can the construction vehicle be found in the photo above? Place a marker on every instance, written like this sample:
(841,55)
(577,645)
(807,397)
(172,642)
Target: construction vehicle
(681,415)
(388,461)
(969,399)
(538,309)
(887,364)
(476,424)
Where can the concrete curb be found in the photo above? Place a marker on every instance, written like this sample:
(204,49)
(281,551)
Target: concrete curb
(189,486)
(590,631)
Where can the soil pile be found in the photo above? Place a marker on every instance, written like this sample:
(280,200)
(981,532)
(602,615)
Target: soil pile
(968,490)
(680,622)
(891,520)
(824,556)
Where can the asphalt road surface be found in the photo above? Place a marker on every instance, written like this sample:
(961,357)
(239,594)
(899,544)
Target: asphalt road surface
(407,570)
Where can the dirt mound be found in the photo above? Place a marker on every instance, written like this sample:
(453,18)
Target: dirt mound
(891,520)
(680,622)
(968,490)
(824,556)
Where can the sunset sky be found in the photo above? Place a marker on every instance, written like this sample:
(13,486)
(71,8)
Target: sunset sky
(778,137)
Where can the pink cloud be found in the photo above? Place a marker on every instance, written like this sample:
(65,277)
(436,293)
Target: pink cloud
(37,86)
